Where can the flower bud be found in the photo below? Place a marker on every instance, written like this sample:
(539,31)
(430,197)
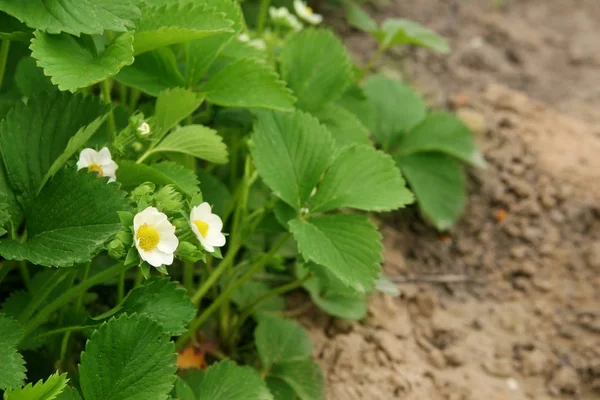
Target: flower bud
(116,249)
(189,252)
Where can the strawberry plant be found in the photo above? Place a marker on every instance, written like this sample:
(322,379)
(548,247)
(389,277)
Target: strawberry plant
(166,175)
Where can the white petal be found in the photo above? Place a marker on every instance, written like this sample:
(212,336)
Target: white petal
(167,258)
(146,216)
(110,170)
(207,246)
(214,223)
(153,257)
(86,157)
(167,243)
(104,156)
(216,239)
(201,211)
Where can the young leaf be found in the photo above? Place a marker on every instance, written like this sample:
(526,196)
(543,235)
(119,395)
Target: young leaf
(445,133)
(227,381)
(305,377)
(161,300)
(248,292)
(74,215)
(348,245)
(291,151)
(344,126)
(48,390)
(279,340)
(360,19)
(402,31)
(248,83)
(362,178)
(398,108)
(128,358)
(4,213)
(12,366)
(197,141)
(71,65)
(316,67)
(74,17)
(164,26)
(41,130)
(280,390)
(439,184)
(30,78)
(202,53)
(172,107)
(69,393)
(152,72)
(183,390)
(131,174)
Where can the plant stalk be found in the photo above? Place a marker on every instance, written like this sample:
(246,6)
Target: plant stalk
(262,16)
(106,89)
(4,47)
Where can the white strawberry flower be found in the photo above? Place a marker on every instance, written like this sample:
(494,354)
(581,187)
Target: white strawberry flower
(256,43)
(98,161)
(307,13)
(155,238)
(207,227)
(282,16)
(144,128)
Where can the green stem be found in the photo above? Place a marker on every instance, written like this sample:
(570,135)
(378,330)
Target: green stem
(138,278)
(71,294)
(123,96)
(262,15)
(25,275)
(4,270)
(63,330)
(39,297)
(188,276)
(3,58)
(374,58)
(121,287)
(86,273)
(134,98)
(106,88)
(226,294)
(223,265)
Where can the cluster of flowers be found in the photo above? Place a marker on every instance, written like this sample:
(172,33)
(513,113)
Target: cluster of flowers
(154,235)
(282,16)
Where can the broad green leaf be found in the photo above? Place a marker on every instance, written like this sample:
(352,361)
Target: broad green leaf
(69,394)
(360,19)
(215,192)
(227,381)
(279,340)
(74,16)
(291,151)
(72,218)
(41,130)
(71,65)
(131,174)
(15,303)
(14,209)
(362,178)
(397,107)
(344,126)
(4,213)
(402,31)
(161,300)
(152,72)
(43,390)
(445,133)
(248,83)
(247,293)
(202,53)
(128,358)
(12,366)
(172,24)
(30,78)
(280,390)
(348,245)
(183,390)
(316,67)
(172,107)
(195,140)
(305,377)
(355,101)
(238,50)
(13,29)
(193,378)
(439,184)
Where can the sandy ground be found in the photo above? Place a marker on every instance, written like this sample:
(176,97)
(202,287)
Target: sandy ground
(526,75)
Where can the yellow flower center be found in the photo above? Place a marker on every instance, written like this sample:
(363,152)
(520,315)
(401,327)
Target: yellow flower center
(202,227)
(147,237)
(309,10)
(93,167)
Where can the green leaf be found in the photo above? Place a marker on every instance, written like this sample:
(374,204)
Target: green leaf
(71,65)
(215,192)
(195,140)
(305,377)
(202,53)
(360,19)
(47,390)
(355,101)
(248,292)
(167,25)
(344,126)
(30,78)
(227,381)
(348,245)
(131,174)
(183,390)
(445,133)
(74,16)
(12,366)
(279,340)
(439,184)
(128,358)
(397,107)
(41,129)
(172,107)
(69,394)
(152,72)
(248,83)
(280,390)
(4,213)
(161,300)
(291,151)
(402,31)
(72,218)
(316,67)
(13,29)
(362,178)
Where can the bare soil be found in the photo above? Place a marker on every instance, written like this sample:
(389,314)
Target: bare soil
(526,322)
